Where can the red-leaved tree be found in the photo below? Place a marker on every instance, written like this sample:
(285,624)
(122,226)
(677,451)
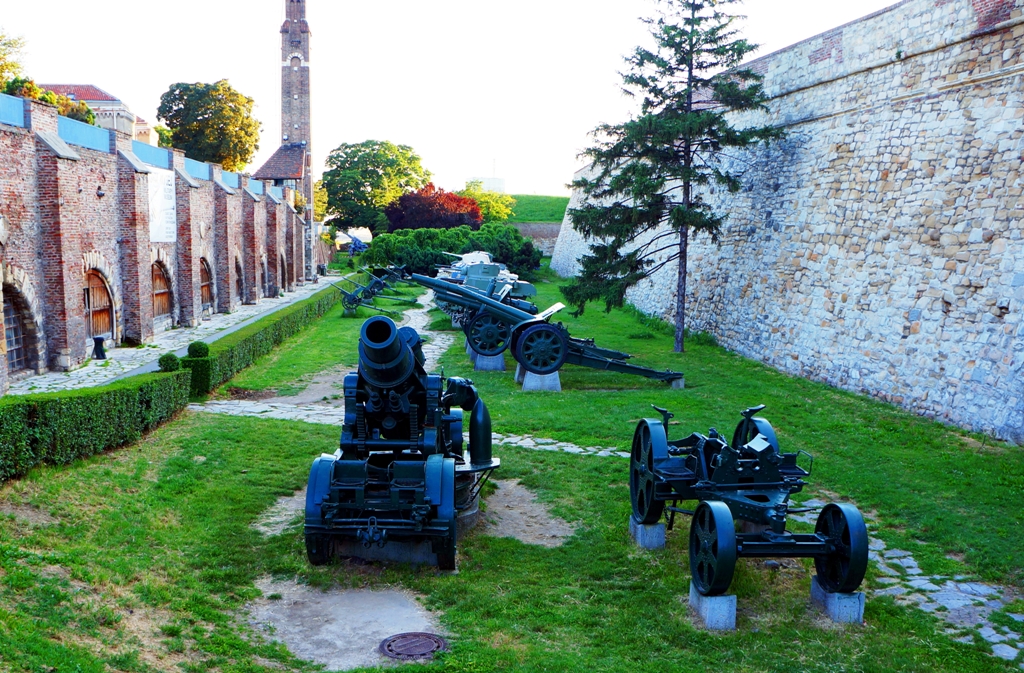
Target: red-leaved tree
(432,208)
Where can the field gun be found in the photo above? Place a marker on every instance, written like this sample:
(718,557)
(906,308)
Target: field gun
(363,296)
(391,274)
(497,324)
(751,480)
(356,246)
(401,472)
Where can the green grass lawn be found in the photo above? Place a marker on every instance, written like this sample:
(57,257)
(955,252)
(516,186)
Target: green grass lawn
(153,558)
(330,343)
(539,208)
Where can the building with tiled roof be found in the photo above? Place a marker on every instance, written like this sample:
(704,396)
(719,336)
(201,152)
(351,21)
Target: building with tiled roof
(111,112)
(288,164)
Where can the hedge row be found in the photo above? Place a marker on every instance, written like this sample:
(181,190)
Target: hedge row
(228,356)
(59,428)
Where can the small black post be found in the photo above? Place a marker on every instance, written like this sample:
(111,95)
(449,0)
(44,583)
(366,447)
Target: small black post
(97,351)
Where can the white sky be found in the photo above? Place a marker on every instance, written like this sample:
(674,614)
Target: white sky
(473,86)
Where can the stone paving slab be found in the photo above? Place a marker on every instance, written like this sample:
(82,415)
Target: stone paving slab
(121,361)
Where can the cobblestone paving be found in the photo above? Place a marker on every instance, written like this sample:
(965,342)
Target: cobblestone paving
(964,605)
(123,360)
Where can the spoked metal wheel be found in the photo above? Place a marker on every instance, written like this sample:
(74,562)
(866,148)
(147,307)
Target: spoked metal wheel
(646,508)
(842,571)
(487,335)
(542,349)
(712,548)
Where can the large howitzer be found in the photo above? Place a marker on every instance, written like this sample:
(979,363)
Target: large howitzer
(538,345)
(749,479)
(401,473)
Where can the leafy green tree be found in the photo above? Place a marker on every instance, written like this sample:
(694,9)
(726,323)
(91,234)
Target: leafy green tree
(494,206)
(364,178)
(644,190)
(211,122)
(319,201)
(165,136)
(10,56)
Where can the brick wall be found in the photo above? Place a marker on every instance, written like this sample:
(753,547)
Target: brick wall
(67,210)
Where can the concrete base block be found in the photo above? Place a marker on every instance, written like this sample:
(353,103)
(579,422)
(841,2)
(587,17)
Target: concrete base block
(717,613)
(456,324)
(532,383)
(840,608)
(520,374)
(494,363)
(647,536)
(679,384)
(469,349)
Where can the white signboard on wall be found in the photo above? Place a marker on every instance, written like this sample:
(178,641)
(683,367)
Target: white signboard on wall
(163,210)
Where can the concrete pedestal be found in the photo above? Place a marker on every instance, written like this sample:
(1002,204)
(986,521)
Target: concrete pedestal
(647,536)
(493,363)
(717,613)
(840,608)
(532,383)
(520,374)
(679,384)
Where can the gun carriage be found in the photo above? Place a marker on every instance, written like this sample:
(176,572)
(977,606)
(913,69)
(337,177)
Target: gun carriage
(363,296)
(402,472)
(477,271)
(749,479)
(499,323)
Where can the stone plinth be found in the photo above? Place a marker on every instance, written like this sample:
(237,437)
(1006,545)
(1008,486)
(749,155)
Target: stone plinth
(650,536)
(840,608)
(717,613)
(533,383)
(493,363)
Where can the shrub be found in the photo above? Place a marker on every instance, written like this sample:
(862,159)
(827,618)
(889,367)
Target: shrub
(169,363)
(59,428)
(420,250)
(199,349)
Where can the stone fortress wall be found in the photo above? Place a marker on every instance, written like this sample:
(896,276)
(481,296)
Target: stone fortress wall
(879,247)
(75,203)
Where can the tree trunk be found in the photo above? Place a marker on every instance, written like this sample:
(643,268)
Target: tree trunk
(684,239)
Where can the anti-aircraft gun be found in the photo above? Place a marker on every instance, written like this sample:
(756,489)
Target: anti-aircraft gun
(402,473)
(356,246)
(748,479)
(498,324)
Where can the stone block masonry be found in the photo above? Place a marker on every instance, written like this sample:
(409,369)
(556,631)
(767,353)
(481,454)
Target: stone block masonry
(880,247)
(70,212)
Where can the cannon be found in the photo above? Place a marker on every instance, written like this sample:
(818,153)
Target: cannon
(749,480)
(480,271)
(390,274)
(402,472)
(363,296)
(496,325)
(356,246)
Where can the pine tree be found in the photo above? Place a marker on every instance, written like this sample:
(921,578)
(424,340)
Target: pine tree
(644,190)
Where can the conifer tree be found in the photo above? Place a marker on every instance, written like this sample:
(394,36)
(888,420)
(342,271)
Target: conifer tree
(644,190)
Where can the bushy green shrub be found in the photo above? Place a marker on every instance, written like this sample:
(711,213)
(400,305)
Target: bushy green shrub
(420,250)
(169,362)
(199,349)
(230,355)
(58,428)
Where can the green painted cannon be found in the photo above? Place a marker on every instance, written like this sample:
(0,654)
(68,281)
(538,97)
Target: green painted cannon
(498,324)
(749,480)
(402,473)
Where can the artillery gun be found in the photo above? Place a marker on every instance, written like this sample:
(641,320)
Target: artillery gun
(356,246)
(478,271)
(496,325)
(391,274)
(751,480)
(402,473)
(363,296)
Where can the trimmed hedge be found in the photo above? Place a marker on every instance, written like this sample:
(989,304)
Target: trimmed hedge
(238,350)
(59,428)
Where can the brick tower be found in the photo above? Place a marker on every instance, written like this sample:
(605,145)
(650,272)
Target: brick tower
(292,164)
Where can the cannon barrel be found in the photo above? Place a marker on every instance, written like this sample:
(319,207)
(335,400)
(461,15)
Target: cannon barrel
(459,295)
(386,357)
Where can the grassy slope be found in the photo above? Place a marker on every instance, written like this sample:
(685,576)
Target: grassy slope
(539,208)
(928,483)
(162,530)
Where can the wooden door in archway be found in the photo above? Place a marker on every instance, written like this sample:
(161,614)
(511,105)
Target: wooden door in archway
(206,283)
(99,309)
(161,293)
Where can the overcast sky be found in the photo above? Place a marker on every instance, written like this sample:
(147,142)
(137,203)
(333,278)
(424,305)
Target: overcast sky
(479,88)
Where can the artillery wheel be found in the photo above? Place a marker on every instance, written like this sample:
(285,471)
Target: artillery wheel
(712,548)
(646,508)
(487,335)
(542,349)
(842,571)
(318,549)
(351,302)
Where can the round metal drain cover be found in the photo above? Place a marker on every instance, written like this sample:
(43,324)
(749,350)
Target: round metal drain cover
(407,646)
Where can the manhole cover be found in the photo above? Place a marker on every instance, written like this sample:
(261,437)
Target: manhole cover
(413,646)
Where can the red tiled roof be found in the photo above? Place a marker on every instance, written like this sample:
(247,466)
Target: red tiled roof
(288,163)
(81,92)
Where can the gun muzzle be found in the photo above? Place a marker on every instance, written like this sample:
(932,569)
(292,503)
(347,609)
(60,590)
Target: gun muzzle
(385,359)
